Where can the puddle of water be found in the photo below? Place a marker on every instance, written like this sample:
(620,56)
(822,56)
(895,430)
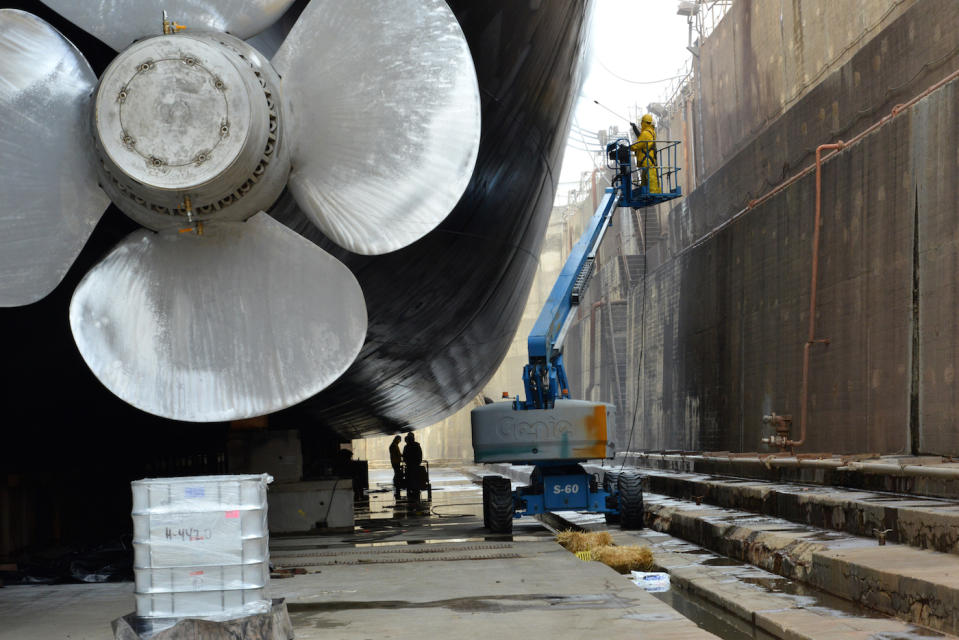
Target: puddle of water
(650,617)
(709,617)
(728,480)
(827,536)
(476,604)
(780,585)
(381,519)
(800,595)
(816,600)
(496,538)
(722,561)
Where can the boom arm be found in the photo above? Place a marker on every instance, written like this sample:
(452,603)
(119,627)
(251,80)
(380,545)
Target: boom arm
(544,376)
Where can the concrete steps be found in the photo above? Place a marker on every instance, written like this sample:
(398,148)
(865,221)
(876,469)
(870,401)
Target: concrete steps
(733,518)
(918,476)
(777,606)
(786,583)
(925,523)
(823,536)
(752,600)
(918,586)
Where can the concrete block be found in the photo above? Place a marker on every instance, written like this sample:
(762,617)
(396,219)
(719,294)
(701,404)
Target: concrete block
(274,625)
(296,507)
(277,453)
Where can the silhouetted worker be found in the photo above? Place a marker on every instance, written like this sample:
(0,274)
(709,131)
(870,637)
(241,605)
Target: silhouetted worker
(645,150)
(412,453)
(413,457)
(396,459)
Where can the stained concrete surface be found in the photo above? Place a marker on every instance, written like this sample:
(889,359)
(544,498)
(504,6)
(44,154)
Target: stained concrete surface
(714,334)
(918,586)
(841,473)
(431,569)
(926,523)
(540,590)
(392,587)
(756,602)
(547,590)
(73,611)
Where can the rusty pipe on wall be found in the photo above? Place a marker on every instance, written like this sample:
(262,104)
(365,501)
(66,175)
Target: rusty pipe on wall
(913,470)
(782,425)
(814,277)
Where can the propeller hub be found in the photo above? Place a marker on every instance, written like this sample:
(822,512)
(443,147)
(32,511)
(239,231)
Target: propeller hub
(188,126)
(176,113)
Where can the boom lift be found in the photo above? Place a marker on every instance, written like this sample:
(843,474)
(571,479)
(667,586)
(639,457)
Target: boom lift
(548,429)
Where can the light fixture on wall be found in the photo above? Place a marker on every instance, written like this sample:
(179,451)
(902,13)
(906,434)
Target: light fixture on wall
(658,109)
(687,8)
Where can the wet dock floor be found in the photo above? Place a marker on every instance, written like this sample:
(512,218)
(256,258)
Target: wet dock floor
(393,531)
(454,514)
(430,569)
(397,534)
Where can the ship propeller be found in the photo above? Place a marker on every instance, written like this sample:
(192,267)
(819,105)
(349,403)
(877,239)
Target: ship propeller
(49,200)
(119,23)
(164,315)
(217,311)
(386,107)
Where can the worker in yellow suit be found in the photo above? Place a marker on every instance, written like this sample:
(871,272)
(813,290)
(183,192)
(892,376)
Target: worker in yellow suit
(645,150)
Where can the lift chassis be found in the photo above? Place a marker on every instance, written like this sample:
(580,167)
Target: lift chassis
(549,430)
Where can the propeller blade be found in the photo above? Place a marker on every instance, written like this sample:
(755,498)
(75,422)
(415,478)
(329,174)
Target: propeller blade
(119,22)
(247,319)
(386,118)
(268,41)
(49,198)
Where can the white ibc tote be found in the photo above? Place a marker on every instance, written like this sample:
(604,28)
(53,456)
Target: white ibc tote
(201,546)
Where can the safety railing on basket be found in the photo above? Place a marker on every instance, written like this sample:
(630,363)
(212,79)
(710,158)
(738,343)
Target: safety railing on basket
(652,168)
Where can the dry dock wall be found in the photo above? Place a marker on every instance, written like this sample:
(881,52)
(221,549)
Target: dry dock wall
(768,54)
(712,339)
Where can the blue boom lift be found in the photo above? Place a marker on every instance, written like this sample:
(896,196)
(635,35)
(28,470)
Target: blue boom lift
(548,429)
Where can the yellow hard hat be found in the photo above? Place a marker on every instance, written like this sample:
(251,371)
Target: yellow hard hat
(647,119)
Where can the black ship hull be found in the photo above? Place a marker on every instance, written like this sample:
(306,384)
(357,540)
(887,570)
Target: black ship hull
(442,312)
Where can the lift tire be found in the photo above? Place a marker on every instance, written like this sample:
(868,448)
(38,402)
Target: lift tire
(486,484)
(610,480)
(631,500)
(610,484)
(501,508)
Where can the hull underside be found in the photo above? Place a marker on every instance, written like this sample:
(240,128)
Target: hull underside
(442,312)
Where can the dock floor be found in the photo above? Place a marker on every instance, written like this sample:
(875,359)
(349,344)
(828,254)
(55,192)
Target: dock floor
(405,572)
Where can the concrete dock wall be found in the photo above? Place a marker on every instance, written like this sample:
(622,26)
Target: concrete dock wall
(766,55)
(716,330)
